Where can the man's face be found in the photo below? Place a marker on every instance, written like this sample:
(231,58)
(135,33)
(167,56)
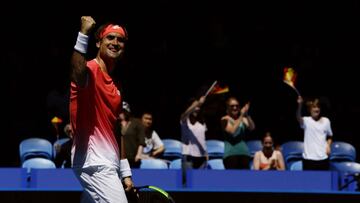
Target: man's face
(112,45)
(147,120)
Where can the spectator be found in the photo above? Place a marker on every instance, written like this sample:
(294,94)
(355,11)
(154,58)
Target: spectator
(133,132)
(63,151)
(193,130)
(317,136)
(154,146)
(235,125)
(268,158)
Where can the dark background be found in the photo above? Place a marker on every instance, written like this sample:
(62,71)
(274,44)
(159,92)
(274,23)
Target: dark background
(175,51)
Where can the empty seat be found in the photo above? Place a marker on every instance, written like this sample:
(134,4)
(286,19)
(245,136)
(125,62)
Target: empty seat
(38,163)
(153,164)
(173,149)
(342,151)
(216,164)
(292,151)
(35,147)
(175,164)
(349,174)
(254,146)
(296,166)
(346,166)
(215,148)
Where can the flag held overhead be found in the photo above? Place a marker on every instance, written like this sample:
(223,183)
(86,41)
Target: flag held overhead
(219,90)
(290,78)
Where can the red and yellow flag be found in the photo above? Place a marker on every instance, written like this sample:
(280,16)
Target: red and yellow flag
(290,76)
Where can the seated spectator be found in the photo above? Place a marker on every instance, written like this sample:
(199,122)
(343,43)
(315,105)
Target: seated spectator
(63,152)
(268,158)
(154,146)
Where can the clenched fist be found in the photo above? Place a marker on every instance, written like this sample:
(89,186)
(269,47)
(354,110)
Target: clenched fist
(87,24)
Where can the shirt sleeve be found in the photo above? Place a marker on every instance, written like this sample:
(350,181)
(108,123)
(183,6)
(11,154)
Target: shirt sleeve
(156,140)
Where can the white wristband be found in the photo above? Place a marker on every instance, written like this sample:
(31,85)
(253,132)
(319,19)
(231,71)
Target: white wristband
(81,43)
(125,170)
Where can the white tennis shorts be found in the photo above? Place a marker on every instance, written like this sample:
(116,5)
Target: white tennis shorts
(101,184)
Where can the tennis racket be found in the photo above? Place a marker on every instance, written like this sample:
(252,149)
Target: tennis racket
(149,194)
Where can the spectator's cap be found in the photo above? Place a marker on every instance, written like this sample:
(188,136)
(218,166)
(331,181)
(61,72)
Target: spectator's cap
(113,28)
(126,106)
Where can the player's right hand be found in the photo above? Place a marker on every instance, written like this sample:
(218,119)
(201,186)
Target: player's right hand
(87,24)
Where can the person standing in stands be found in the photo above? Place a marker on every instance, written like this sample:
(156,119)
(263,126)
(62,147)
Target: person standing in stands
(95,104)
(317,136)
(235,126)
(193,129)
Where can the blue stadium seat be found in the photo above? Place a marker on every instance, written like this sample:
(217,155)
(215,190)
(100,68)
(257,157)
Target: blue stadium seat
(153,164)
(216,164)
(292,151)
(254,146)
(342,151)
(173,149)
(215,148)
(296,166)
(38,163)
(349,174)
(175,164)
(35,147)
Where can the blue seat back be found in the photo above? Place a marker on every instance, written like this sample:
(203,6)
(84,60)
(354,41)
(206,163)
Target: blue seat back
(296,166)
(38,163)
(175,164)
(153,164)
(348,174)
(216,164)
(292,151)
(342,151)
(173,149)
(254,146)
(215,148)
(35,147)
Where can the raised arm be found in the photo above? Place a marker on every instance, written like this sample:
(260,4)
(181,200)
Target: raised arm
(78,60)
(191,108)
(298,111)
(248,120)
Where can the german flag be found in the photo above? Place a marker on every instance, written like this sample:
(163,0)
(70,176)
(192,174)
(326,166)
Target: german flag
(219,90)
(290,76)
